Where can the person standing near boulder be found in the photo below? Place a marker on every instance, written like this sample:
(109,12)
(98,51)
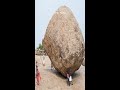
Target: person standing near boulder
(38,77)
(52,65)
(43,61)
(70,81)
(69,77)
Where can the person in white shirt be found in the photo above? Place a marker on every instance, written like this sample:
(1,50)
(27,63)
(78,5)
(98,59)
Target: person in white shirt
(69,77)
(70,80)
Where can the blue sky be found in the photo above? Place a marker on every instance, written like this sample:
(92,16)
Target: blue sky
(44,10)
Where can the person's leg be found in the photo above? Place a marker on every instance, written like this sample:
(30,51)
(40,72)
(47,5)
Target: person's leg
(37,80)
(71,82)
(68,81)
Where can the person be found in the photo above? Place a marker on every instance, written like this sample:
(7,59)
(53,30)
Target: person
(52,66)
(38,77)
(70,80)
(69,77)
(43,60)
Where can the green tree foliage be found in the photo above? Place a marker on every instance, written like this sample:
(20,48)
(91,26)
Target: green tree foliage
(40,47)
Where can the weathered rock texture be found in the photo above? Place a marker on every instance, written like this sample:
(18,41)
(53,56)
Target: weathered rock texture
(63,41)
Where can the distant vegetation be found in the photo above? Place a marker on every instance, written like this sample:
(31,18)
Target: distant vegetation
(40,47)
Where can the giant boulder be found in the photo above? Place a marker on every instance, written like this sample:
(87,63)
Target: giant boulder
(63,41)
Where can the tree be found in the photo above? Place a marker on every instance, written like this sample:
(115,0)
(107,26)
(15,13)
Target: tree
(40,47)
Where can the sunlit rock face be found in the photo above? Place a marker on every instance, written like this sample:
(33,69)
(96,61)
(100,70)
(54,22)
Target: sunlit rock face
(63,41)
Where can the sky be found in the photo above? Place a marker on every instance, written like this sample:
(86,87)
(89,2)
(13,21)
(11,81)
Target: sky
(44,10)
